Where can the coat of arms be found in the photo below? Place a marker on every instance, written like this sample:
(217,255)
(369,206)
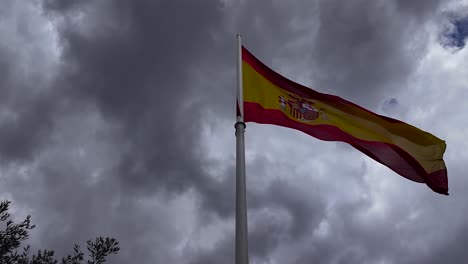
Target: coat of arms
(300,108)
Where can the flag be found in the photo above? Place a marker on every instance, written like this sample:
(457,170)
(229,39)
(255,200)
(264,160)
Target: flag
(269,98)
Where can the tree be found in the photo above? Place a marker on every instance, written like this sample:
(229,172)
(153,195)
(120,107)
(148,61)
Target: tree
(14,233)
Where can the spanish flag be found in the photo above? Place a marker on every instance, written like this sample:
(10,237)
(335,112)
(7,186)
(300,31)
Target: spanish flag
(269,98)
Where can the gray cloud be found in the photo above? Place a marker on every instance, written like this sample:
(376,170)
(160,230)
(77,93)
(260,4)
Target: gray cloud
(26,106)
(367,50)
(134,63)
(418,8)
(113,141)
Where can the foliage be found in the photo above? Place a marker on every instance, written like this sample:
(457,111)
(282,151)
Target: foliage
(15,233)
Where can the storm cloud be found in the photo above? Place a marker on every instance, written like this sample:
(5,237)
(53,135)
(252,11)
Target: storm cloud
(116,119)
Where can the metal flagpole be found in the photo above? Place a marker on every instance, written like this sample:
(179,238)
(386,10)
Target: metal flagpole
(242,253)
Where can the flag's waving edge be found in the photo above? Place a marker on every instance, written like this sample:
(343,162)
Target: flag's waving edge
(270,98)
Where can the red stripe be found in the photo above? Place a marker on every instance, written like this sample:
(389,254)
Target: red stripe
(296,88)
(387,154)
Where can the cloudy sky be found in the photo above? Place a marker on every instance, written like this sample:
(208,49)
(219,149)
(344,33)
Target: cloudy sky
(116,119)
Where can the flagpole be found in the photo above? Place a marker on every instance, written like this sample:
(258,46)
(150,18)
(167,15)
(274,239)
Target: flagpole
(242,253)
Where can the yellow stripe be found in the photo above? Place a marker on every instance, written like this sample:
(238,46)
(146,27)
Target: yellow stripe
(424,147)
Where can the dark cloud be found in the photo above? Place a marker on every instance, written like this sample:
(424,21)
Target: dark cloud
(418,8)
(133,61)
(224,252)
(456,34)
(26,129)
(304,213)
(112,142)
(26,106)
(392,107)
(61,6)
(364,50)
(452,251)
(279,213)
(65,216)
